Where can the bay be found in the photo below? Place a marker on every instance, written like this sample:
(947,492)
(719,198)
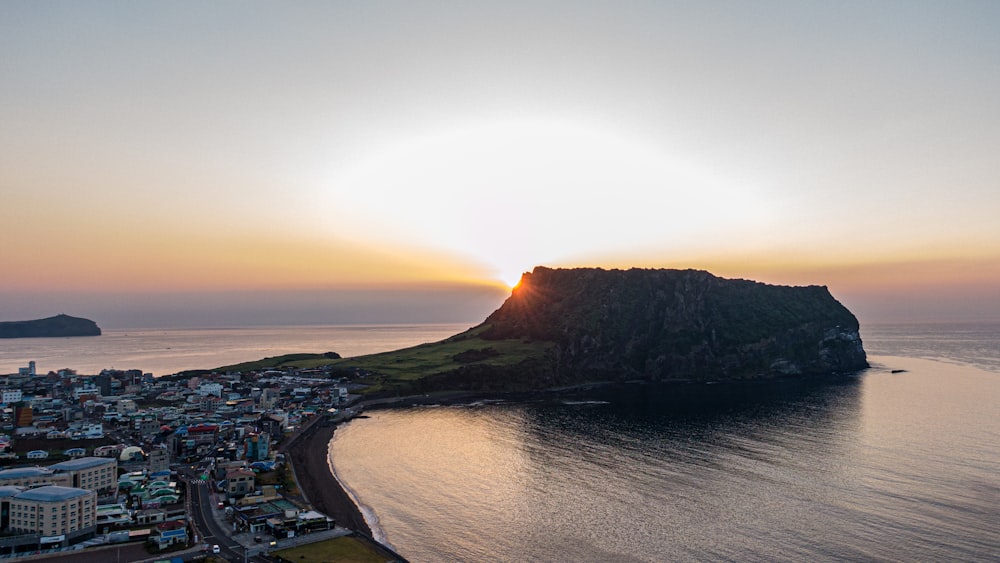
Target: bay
(881,466)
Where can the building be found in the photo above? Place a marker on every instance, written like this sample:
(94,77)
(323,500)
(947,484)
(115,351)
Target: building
(114,514)
(239,482)
(23,417)
(57,514)
(10,396)
(272,423)
(92,473)
(126,406)
(202,433)
(159,460)
(30,370)
(148,516)
(167,534)
(268,398)
(87,388)
(33,477)
(92,431)
(211,403)
(210,389)
(113,450)
(145,425)
(257,446)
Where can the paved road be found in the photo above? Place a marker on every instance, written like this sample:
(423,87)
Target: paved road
(211,533)
(201,511)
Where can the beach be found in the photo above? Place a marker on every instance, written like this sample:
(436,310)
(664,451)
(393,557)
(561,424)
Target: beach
(308,455)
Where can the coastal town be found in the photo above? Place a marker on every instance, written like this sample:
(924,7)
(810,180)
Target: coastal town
(192,466)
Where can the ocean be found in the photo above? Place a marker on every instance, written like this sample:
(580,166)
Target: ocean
(888,465)
(881,467)
(165,352)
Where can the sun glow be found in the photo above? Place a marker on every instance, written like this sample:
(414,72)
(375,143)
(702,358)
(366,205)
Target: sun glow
(515,194)
(511,279)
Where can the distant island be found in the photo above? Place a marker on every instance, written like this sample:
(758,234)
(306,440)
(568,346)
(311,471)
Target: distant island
(566,327)
(57,326)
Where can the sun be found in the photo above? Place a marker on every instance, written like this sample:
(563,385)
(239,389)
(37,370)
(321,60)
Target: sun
(511,279)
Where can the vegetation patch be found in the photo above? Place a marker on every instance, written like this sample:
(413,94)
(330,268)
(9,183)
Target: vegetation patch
(470,356)
(346,549)
(400,368)
(283,361)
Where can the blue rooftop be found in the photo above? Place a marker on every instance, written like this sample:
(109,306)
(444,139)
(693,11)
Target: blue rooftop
(82,463)
(52,493)
(9,490)
(22,472)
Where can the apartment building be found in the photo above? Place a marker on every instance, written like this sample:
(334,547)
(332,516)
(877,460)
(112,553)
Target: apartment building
(51,511)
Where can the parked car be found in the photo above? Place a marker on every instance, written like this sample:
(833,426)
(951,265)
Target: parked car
(215,548)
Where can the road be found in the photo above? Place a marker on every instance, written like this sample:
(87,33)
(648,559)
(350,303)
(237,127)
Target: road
(210,532)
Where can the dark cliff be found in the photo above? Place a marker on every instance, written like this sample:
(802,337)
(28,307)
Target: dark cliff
(676,325)
(562,328)
(57,326)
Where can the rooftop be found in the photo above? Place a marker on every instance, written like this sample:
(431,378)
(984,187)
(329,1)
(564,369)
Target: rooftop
(10,490)
(82,463)
(22,472)
(52,493)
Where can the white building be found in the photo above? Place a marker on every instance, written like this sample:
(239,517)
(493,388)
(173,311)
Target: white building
(210,389)
(52,511)
(126,406)
(93,430)
(9,396)
(92,473)
(86,389)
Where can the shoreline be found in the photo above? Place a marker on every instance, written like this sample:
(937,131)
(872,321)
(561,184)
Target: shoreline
(319,485)
(316,481)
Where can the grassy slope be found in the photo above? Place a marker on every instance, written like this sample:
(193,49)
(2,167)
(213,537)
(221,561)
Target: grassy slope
(296,360)
(391,369)
(345,549)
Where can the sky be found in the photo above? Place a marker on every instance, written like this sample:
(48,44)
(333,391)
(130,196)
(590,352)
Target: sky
(230,163)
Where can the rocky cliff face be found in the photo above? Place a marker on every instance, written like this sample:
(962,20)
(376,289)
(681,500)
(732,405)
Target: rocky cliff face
(676,325)
(57,326)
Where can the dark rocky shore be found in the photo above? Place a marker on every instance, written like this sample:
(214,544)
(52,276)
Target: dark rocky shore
(307,452)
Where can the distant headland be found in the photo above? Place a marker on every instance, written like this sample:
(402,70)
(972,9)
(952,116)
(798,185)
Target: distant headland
(57,326)
(567,327)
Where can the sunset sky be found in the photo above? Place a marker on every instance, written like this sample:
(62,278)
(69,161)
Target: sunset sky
(211,163)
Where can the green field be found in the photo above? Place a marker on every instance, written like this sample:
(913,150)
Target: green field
(346,549)
(390,370)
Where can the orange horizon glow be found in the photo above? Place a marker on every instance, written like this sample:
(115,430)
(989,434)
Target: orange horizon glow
(191,263)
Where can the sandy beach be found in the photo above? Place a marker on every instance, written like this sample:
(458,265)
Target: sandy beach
(308,454)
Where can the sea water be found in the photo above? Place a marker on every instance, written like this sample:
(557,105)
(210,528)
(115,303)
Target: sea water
(881,466)
(884,466)
(164,352)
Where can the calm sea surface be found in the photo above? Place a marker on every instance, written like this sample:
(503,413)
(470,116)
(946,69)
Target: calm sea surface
(884,466)
(164,352)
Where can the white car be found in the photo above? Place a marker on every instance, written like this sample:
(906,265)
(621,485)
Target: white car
(215,548)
